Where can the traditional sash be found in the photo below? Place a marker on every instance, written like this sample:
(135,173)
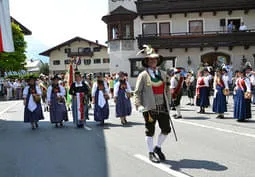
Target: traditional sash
(80,106)
(241,84)
(179,86)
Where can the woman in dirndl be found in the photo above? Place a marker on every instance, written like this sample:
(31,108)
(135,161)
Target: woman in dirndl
(202,95)
(100,96)
(242,106)
(221,89)
(56,101)
(122,94)
(32,101)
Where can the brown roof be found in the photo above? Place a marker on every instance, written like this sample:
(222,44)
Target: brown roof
(25,30)
(47,52)
(157,7)
(119,14)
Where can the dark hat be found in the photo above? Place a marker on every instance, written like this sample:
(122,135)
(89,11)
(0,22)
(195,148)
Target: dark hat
(77,73)
(99,74)
(56,77)
(121,74)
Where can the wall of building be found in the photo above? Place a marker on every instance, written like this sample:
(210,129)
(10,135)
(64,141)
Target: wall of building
(62,56)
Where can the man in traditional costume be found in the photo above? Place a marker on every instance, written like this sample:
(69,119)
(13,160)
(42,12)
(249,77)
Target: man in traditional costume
(176,82)
(191,85)
(221,90)
(151,97)
(44,87)
(242,106)
(122,94)
(56,101)
(100,96)
(32,101)
(79,91)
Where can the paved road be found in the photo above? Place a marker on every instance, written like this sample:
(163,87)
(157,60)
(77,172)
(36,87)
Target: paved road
(207,147)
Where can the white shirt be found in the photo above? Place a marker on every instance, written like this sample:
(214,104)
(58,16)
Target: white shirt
(31,103)
(117,86)
(61,93)
(151,72)
(101,99)
(243,28)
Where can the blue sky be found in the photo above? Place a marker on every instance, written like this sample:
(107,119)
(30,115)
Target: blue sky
(55,21)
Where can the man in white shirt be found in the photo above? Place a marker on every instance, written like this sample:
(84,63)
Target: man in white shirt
(243,27)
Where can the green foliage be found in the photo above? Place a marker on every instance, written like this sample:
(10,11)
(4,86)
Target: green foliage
(14,61)
(44,68)
(26,76)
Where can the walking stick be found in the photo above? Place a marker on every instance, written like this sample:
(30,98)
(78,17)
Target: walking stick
(171,122)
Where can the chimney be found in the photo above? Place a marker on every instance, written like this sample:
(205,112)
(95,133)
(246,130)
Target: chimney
(97,41)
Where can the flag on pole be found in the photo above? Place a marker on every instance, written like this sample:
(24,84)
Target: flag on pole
(6,40)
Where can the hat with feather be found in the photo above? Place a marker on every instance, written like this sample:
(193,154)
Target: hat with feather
(150,53)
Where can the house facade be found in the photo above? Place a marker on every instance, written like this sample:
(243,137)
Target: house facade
(186,33)
(91,57)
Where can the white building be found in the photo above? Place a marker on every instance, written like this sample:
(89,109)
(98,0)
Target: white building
(186,33)
(33,66)
(90,56)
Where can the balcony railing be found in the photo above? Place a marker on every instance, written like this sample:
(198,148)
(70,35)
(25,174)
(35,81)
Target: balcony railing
(75,54)
(198,40)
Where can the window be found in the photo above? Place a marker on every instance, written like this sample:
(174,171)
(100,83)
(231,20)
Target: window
(196,26)
(126,31)
(81,50)
(164,29)
(149,29)
(67,62)
(56,62)
(136,67)
(106,60)
(97,61)
(67,50)
(87,61)
(96,49)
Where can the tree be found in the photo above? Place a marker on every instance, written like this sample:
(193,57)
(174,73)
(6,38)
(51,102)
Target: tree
(44,68)
(14,61)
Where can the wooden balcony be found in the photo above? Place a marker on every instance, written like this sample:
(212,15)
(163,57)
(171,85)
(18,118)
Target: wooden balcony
(156,7)
(199,40)
(80,54)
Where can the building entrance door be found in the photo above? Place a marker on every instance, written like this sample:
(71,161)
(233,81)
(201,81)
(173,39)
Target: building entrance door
(215,59)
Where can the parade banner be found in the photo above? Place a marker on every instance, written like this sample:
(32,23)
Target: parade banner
(6,40)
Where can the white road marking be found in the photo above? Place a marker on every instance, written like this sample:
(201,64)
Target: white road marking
(9,107)
(216,128)
(87,128)
(161,166)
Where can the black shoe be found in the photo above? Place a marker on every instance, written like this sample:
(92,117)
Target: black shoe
(178,117)
(160,154)
(36,125)
(56,125)
(61,124)
(173,108)
(188,104)
(153,158)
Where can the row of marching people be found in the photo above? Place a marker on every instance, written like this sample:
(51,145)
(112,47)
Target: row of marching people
(81,92)
(242,92)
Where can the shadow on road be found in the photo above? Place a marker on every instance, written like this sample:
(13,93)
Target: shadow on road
(196,118)
(197,164)
(52,152)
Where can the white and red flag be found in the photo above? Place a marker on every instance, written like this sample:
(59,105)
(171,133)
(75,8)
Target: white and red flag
(6,40)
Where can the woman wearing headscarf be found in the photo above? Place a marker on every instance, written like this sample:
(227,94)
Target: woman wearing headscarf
(56,101)
(32,101)
(100,96)
(122,94)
